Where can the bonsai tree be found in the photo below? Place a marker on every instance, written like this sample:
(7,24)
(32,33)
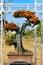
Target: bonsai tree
(32,20)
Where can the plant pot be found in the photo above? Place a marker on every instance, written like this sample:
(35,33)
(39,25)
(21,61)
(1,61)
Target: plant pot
(17,57)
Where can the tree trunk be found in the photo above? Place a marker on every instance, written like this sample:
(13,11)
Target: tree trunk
(21,46)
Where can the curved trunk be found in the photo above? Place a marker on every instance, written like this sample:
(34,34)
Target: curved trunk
(21,33)
(21,46)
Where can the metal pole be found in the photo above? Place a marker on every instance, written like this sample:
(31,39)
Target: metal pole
(35,41)
(35,46)
(42,33)
(1,33)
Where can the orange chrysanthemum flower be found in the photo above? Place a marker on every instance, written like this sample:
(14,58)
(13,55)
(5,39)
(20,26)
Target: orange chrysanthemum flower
(27,14)
(10,26)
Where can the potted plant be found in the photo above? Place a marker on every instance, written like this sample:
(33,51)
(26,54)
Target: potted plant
(32,20)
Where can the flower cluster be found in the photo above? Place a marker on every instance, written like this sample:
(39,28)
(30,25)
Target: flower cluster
(27,14)
(10,26)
